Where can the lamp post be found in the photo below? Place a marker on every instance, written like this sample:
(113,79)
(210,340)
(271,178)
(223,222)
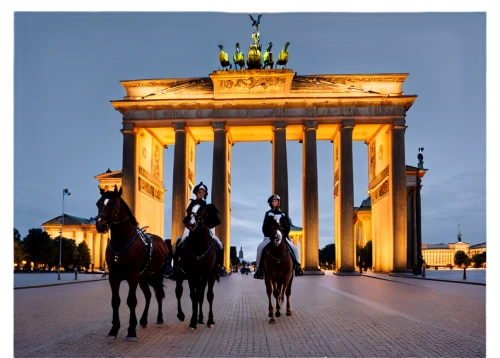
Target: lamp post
(65,192)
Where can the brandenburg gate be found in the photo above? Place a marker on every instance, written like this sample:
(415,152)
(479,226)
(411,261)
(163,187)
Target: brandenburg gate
(275,105)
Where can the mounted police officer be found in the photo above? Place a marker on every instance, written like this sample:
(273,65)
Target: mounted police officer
(273,216)
(211,221)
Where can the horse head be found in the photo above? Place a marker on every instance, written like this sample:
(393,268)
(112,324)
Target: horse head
(196,217)
(276,236)
(109,210)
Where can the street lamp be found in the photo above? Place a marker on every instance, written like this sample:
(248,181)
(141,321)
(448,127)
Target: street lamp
(65,192)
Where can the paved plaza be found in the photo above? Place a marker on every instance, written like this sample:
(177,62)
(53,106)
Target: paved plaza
(374,315)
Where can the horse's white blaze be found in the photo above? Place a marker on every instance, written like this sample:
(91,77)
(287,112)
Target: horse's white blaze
(106,201)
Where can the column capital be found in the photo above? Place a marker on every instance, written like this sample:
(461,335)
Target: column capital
(129,128)
(179,126)
(311,125)
(398,123)
(279,125)
(218,126)
(347,124)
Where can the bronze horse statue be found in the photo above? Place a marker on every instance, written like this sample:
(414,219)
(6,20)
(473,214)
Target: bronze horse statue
(278,272)
(197,258)
(133,256)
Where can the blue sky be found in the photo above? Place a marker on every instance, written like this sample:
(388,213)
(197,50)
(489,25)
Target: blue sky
(67,68)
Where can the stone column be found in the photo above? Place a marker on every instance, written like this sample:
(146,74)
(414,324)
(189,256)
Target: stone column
(346,184)
(220,188)
(104,245)
(95,251)
(310,218)
(397,181)
(280,165)
(129,165)
(179,181)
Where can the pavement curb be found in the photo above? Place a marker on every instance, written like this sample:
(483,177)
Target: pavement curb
(59,284)
(438,279)
(424,279)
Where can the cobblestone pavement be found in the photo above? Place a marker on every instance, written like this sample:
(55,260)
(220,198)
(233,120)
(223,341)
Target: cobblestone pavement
(332,317)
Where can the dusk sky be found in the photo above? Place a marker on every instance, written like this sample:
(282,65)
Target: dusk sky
(67,68)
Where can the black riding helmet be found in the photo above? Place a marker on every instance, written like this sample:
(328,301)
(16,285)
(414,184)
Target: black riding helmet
(273,197)
(202,187)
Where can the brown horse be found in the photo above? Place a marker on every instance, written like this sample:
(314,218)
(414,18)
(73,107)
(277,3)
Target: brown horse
(197,257)
(133,256)
(278,273)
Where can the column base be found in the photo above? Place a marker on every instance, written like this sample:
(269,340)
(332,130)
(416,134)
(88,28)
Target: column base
(346,272)
(402,271)
(309,271)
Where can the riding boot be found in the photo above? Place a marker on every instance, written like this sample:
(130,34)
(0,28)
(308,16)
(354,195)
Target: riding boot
(259,274)
(178,272)
(219,261)
(298,270)
(168,264)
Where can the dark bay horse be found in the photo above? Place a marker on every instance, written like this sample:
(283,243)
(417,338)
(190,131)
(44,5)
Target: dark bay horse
(133,256)
(278,273)
(198,261)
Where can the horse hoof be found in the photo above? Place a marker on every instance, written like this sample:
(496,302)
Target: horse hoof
(159,322)
(131,339)
(201,321)
(211,325)
(278,314)
(289,313)
(272,321)
(181,317)
(143,325)
(192,328)
(110,338)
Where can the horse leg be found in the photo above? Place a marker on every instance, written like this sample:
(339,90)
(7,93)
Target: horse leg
(277,293)
(178,293)
(288,292)
(269,290)
(115,303)
(194,304)
(147,295)
(157,283)
(210,299)
(132,303)
(201,297)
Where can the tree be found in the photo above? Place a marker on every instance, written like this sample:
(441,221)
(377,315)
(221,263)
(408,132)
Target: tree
(38,247)
(327,253)
(365,254)
(83,255)
(461,258)
(68,252)
(19,254)
(479,259)
(17,235)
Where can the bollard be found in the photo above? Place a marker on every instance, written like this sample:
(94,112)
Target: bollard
(465,276)
(76,273)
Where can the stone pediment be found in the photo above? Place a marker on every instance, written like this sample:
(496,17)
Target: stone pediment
(277,83)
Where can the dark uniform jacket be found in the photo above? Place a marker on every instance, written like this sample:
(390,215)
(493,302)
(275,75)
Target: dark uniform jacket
(273,217)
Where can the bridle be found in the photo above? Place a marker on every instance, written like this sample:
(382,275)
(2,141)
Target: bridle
(278,238)
(114,220)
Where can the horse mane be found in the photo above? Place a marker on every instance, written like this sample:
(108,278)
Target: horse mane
(129,212)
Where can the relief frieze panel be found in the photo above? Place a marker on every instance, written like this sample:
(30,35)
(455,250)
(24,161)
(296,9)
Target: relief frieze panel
(252,85)
(149,177)
(381,191)
(151,190)
(380,176)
